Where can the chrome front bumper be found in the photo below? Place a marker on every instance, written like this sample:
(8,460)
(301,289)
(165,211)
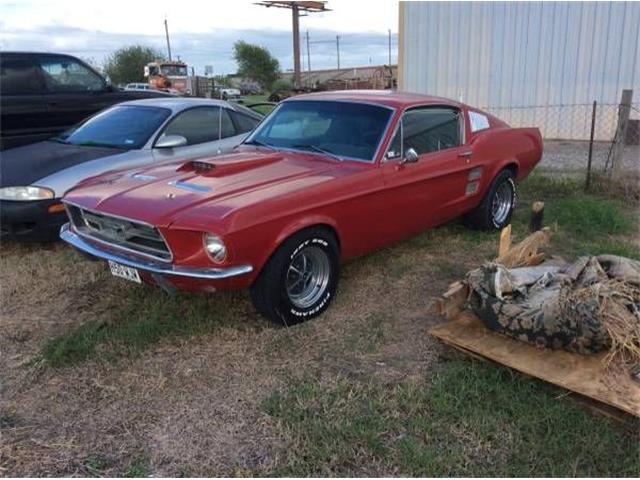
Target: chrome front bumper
(76,241)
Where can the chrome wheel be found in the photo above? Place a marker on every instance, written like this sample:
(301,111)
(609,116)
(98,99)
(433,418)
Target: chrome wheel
(502,203)
(307,276)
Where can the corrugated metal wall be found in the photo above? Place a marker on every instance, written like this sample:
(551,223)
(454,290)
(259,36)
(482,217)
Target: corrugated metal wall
(495,54)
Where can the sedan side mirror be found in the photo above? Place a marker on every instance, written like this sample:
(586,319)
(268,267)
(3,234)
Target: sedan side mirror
(171,141)
(410,156)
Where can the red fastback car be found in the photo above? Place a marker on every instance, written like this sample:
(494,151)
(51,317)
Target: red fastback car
(324,178)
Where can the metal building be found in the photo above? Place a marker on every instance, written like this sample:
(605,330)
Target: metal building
(523,59)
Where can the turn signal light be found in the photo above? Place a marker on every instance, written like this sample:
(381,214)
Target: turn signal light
(56,208)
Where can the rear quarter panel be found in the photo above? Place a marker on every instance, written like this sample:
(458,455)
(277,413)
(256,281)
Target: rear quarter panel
(505,147)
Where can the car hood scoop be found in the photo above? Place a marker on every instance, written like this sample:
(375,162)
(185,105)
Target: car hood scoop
(229,164)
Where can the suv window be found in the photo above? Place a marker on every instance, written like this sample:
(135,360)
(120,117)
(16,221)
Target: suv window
(199,125)
(244,123)
(63,74)
(431,129)
(18,76)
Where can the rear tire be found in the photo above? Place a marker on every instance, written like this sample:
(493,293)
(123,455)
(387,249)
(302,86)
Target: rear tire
(496,209)
(300,280)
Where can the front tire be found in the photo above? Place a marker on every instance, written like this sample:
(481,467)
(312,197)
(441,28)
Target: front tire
(496,209)
(300,280)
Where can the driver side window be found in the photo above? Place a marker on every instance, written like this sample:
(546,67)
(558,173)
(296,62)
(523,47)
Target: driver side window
(62,74)
(426,130)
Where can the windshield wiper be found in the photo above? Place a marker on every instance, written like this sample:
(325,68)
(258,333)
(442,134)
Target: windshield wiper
(258,142)
(318,149)
(59,140)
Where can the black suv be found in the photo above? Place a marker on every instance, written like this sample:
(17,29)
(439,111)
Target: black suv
(42,94)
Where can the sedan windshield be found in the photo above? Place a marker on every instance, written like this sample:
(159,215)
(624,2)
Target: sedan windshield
(128,127)
(337,129)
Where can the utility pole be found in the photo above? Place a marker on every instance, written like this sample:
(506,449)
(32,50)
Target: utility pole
(296,8)
(338,49)
(308,59)
(295,13)
(166,32)
(389,47)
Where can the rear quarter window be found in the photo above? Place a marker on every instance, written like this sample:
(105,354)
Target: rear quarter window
(18,76)
(478,121)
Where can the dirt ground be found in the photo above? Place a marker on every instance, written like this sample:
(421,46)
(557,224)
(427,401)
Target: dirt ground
(191,405)
(572,155)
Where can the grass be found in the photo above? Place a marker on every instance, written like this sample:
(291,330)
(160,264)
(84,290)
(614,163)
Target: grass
(146,317)
(139,468)
(96,465)
(474,419)
(249,99)
(583,223)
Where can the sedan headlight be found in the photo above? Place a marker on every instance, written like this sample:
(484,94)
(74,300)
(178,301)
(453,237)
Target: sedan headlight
(23,194)
(215,247)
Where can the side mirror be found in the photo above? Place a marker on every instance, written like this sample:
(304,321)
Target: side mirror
(171,141)
(410,156)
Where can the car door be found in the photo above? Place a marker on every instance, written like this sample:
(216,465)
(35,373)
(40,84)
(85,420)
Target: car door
(73,91)
(23,114)
(208,130)
(434,187)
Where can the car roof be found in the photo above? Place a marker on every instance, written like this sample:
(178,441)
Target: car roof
(177,104)
(388,98)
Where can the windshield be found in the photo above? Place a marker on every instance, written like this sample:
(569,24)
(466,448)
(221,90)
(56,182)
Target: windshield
(174,70)
(343,129)
(126,127)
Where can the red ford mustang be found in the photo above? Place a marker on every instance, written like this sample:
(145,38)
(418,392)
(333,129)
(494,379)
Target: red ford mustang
(324,178)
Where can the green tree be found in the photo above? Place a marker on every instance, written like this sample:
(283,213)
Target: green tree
(256,63)
(126,64)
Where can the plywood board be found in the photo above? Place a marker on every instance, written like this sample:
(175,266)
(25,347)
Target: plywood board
(583,374)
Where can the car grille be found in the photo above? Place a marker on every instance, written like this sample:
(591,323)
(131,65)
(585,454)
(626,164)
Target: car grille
(119,232)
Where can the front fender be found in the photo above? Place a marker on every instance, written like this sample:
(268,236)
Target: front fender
(293,227)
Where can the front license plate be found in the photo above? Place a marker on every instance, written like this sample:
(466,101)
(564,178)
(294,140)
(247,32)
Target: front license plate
(125,272)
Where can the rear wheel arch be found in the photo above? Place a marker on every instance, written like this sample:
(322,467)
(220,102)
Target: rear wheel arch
(502,186)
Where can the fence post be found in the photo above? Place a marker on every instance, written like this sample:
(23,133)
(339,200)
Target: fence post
(617,151)
(593,128)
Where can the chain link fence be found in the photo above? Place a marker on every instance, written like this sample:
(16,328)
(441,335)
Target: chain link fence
(566,130)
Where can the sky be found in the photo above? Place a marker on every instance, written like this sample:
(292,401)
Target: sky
(202,32)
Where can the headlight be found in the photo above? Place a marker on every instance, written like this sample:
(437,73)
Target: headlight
(22,194)
(215,247)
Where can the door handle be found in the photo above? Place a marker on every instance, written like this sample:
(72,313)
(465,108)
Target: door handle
(467,154)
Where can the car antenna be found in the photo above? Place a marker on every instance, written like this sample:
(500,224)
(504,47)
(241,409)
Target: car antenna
(219,129)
